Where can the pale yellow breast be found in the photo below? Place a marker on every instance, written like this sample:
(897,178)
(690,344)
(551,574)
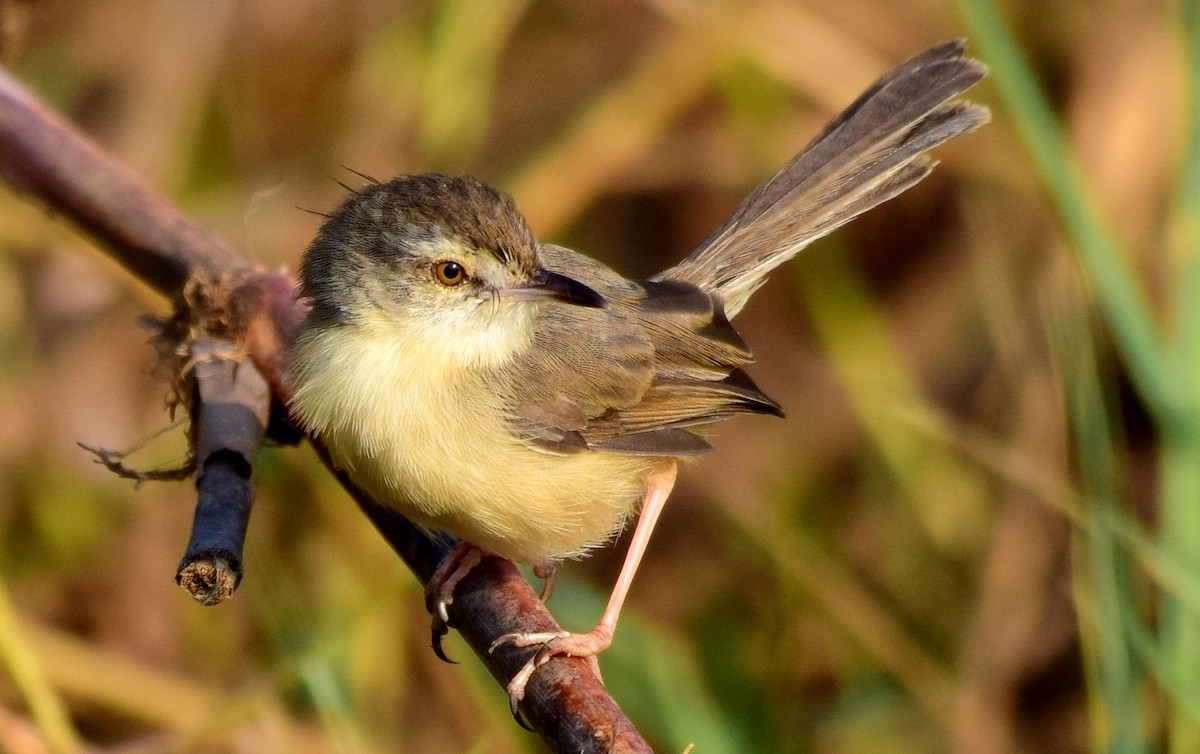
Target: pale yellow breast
(415,424)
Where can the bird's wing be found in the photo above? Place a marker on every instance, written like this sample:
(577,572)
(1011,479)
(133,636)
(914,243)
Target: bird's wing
(637,377)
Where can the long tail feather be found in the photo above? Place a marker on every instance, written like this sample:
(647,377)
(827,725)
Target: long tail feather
(870,153)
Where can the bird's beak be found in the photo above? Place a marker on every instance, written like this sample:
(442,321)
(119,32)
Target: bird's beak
(547,285)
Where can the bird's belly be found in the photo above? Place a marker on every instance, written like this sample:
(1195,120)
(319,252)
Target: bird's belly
(435,445)
(491,489)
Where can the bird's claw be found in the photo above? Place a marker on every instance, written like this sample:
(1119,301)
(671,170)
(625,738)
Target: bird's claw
(438,630)
(439,592)
(550,644)
(520,639)
(516,686)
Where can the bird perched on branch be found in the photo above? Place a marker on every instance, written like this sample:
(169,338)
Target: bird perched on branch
(530,400)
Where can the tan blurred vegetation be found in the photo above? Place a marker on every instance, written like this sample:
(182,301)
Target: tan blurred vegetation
(886,570)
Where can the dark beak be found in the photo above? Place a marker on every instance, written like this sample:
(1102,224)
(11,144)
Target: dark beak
(551,285)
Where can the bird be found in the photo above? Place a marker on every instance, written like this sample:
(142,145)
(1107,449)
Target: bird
(529,400)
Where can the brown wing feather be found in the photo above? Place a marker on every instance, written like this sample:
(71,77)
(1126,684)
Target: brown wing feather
(633,378)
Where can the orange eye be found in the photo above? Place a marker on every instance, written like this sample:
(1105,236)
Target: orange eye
(449,273)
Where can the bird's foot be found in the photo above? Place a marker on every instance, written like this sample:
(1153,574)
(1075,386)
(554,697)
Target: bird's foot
(552,644)
(439,592)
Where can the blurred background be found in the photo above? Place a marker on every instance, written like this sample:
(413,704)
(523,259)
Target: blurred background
(976,530)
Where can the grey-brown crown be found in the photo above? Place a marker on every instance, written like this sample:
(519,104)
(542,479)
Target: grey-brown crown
(383,220)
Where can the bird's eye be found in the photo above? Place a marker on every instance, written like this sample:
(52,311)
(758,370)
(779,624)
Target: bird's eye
(449,273)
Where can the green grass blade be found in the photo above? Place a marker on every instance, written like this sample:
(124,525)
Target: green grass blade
(466,44)
(1186,217)
(1122,302)
(1180,632)
(20,660)
(1102,581)
(1180,625)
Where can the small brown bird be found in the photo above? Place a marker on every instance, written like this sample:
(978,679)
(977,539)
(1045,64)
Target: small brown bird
(528,399)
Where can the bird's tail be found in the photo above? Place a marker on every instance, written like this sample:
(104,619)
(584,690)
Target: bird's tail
(871,152)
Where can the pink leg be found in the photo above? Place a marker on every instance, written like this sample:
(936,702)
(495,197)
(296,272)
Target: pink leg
(591,643)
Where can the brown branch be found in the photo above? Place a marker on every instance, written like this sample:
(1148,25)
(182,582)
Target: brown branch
(43,156)
(230,405)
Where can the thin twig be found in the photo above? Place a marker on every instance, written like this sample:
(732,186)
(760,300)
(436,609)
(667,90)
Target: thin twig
(114,461)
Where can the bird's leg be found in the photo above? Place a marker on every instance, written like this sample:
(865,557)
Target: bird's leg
(547,571)
(590,643)
(439,592)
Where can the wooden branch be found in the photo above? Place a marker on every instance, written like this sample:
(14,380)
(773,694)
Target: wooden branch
(42,155)
(231,402)
(221,292)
